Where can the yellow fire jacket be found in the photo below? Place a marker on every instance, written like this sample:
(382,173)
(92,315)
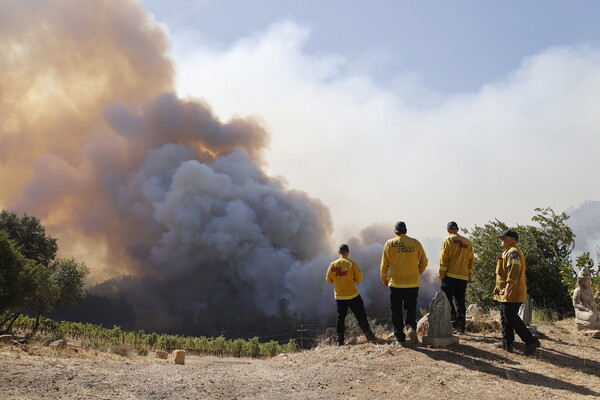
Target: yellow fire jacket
(343,273)
(511,268)
(456,258)
(402,262)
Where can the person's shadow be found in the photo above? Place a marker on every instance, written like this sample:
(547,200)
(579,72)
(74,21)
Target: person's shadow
(505,368)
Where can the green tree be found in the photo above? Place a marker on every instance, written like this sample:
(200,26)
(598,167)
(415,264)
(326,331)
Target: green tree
(547,248)
(17,277)
(44,281)
(69,275)
(29,235)
(486,246)
(45,296)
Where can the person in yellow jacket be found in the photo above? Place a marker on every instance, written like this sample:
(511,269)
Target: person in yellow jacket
(402,263)
(511,291)
(456,270)
(344,273)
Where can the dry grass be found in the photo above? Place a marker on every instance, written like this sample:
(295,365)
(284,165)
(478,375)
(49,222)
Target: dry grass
(566,367)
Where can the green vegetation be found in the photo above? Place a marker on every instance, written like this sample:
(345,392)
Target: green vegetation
(31,277)
(547,247)
(124,343)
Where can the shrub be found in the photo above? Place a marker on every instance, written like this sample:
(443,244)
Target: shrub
(290,347)
(121,350)
(543,316)
(142,352)
(270,349)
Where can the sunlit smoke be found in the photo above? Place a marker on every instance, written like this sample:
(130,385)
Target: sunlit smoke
(135,181)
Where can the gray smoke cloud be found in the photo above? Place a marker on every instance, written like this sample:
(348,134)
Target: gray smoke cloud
(584,223)
(136,181)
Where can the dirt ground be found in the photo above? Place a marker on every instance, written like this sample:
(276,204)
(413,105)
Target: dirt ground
(566,367)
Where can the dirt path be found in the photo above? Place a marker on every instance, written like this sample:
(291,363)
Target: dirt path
(568,366)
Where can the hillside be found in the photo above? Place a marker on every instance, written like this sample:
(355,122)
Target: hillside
(567,366)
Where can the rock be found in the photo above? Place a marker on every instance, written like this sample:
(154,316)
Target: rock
(525,310)
(161,354)
(179,356)
(475,311)
(440,325)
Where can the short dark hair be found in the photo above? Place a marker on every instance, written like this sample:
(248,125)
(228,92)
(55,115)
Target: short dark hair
(344,248)
(400,227)
(451,225)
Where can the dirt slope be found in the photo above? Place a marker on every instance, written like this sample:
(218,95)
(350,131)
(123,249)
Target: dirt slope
(567,367)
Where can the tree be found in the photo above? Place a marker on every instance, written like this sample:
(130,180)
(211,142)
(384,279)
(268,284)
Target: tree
(486,246)
(36,278)
(17,276)
(547,248)
(29,235)
(69,276)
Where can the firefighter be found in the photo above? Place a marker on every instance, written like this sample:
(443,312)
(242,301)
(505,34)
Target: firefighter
(510,291)
(456,270)
(402,263)
(344,273)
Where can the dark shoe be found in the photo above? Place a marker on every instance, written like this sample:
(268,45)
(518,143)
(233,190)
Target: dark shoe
(504,346)
(401,339)
(371,337)
(530,348)
(340,343)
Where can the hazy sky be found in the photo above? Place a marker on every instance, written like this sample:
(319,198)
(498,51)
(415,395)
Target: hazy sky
(421,111)
(295,125)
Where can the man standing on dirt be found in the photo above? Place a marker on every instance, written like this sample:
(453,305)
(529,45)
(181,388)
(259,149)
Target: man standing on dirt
(344,273)
(510,291)
(402,262)
(456,270)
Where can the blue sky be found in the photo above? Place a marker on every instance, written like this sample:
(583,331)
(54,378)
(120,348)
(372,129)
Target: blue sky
(453,46)
(421,111)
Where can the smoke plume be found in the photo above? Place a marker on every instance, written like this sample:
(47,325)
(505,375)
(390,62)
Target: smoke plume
(135,181)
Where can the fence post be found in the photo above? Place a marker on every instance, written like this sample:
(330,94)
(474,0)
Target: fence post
(301,330)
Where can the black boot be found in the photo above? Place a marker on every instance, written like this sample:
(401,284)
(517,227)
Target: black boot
(370,336)
(505,346)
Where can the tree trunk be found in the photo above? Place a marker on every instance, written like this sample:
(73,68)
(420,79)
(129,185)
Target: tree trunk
(37,324)
(14,318)
(5,321)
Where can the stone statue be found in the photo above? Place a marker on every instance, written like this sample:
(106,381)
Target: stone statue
(439,332)
(586,313)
